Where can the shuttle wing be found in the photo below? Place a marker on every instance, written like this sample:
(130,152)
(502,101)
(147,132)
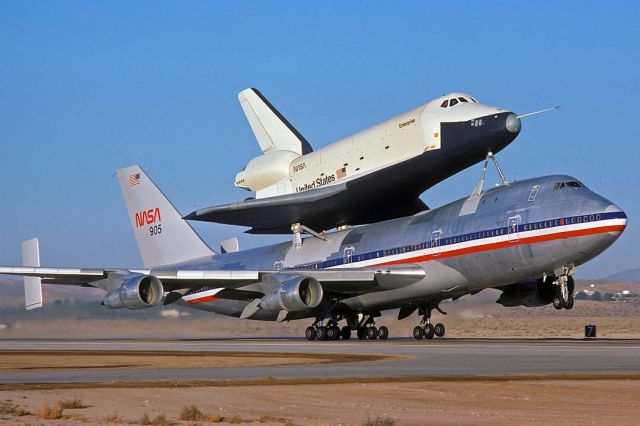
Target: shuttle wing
(368,199)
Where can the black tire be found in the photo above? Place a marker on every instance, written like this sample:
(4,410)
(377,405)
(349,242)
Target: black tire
(331,333)
(345,332)
(310,333)
(372,333)
(418,332)
(569,303)
(558,303)
(322,333)
(429,331)
(439,329)
(362,333)
(383,333)
(336,333)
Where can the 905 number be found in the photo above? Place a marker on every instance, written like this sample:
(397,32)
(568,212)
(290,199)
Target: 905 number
(155,230)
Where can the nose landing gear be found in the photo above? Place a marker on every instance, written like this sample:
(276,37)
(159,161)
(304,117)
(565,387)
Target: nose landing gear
(564,293)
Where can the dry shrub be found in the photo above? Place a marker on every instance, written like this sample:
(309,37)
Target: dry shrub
(272,419)
(191,413)
(74,403)
(379,421)
(159,420)
(236,419)
(215,418)
(112,418)
(13,410)
(50,412)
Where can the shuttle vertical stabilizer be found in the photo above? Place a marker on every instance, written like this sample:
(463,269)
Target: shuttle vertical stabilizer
(272,130)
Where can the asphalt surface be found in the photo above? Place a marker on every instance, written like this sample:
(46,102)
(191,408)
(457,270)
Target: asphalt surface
(436,358)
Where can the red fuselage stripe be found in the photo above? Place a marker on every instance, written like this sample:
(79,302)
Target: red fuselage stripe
(505,244)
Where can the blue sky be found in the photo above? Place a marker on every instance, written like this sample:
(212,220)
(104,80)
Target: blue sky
(87,87)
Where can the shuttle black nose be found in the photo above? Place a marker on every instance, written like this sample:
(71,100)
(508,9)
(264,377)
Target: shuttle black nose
(513,123)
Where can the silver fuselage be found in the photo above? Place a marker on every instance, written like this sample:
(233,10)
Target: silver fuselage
(509,234)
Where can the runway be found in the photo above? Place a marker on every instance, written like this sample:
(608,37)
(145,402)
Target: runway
(406,358)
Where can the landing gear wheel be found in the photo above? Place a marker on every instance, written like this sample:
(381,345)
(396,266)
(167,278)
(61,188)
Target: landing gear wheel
(310,333)
(439,329)
(345,332)
(568,304)
(383,333)
(362,333)
(418,332)
(558,303)
(322,333)
(336,334)
(429,331)
(331,333)
(372,333)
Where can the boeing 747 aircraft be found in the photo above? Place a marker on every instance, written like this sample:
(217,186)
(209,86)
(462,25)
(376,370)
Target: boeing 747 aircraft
(525,238)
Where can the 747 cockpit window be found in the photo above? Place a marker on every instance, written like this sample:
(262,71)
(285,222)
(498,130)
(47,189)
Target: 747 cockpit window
(568,184)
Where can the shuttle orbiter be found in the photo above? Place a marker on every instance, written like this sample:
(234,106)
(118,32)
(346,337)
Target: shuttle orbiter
(375,174)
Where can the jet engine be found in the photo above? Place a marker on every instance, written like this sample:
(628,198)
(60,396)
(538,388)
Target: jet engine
(137,292)
(295,294)
(265,170)
(531,293)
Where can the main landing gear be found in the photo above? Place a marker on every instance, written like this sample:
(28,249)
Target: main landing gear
(425,329)
(564,292)
(365,329)
(330,331)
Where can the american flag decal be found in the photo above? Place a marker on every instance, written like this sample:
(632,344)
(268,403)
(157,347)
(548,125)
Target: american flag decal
(134,179)
(341,173)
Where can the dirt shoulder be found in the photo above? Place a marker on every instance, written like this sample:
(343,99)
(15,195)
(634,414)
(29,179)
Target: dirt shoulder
(16,360)
(505,400)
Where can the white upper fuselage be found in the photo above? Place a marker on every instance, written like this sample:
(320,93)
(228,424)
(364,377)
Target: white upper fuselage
(402,137)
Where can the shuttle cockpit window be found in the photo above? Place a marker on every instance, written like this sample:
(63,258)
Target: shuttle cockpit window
(473,99)
(453,102)
(461,99)
(445,104)
(568,184)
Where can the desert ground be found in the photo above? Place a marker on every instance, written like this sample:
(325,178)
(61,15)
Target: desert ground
(497,400)
(563,401)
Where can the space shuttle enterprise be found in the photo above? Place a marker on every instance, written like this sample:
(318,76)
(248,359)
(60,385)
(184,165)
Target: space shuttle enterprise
(376,174)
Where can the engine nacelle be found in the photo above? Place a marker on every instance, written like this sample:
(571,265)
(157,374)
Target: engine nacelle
(138,292)
(295,294)
(266,170)
(530,293)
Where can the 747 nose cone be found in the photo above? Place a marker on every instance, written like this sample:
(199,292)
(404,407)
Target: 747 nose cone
(513,123)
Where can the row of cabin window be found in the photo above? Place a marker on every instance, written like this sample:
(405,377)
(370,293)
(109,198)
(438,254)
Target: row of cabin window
(463,238)
(567,221)
(460,239)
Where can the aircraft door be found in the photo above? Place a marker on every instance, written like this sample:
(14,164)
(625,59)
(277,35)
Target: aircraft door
(512,229)
(435,242)
(348,255)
